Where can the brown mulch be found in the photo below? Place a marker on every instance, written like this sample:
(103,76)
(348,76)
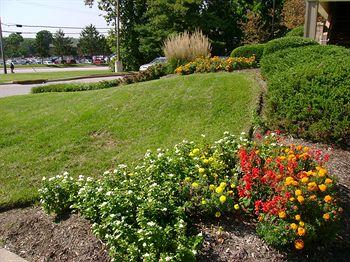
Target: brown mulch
(37,237)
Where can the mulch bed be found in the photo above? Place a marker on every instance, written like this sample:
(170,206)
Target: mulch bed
(37,237)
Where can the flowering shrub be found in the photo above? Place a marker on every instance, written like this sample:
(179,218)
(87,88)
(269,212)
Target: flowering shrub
(144,213)
(215,64)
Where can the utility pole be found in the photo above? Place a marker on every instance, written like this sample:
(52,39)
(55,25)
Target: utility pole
(273,17)
(118,64)
(2,49)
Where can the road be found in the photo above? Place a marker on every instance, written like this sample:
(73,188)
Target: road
(55,69)
(15,89)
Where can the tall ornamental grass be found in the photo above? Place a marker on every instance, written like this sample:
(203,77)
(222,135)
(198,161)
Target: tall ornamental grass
(186,47)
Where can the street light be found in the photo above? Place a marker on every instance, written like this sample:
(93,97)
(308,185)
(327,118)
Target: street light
(2,49)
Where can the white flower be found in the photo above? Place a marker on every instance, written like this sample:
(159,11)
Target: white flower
(151,224)
(109,193)
(44,178)
(168,259)
(65,173)
(106,173)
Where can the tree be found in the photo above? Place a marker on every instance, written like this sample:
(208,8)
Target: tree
(28,47)
(62,45)
(13,45)
(43,41)
(91,41)
(293,13)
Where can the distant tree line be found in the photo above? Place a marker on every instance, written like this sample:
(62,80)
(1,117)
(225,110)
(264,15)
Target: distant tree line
(46,44)
(145,24)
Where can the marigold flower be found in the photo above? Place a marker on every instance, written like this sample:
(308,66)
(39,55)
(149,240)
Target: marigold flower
(322,172)
(301,223)
(219,190)
(298,192)
(212,187)
(206,161)
(195,185)
(260,218)
(299,244)
(326,216)
(305,180)
(291,199)
(218,214)
(201,170)
(223,184)
(230,192)
(322,187)
(222,199)
(236,206)
(295,183)
(328,199)
(282,214)
(328,181)
(195,151)
(204,202)
(297,217)
(312,186)
(301,231)
(313,197)
(293,226)
(301,199)
(233,185)
(299,147)
(188,179)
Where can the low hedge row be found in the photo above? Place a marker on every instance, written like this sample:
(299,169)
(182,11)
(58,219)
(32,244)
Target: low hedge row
(247,51)
(309,94)
(298,31)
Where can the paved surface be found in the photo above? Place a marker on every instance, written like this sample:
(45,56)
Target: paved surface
(7,256)
(55,69)
(15,89)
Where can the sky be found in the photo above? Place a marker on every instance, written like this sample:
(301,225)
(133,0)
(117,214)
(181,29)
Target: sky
(71,13)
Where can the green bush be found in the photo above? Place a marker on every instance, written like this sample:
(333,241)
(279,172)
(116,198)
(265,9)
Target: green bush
(287,42)
(309,94)
(247,51)
(152,73)
(74,87)
(298,31)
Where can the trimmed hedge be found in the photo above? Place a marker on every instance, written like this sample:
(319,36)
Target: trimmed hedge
(287,42)
(74,87)
(298,31)
(309,94)
(247,51)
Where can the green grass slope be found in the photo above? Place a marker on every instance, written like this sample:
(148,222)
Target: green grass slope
(89,132)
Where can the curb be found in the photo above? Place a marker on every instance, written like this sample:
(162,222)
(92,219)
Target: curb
(7,256)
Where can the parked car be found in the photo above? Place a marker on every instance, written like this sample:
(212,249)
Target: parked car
(158,60)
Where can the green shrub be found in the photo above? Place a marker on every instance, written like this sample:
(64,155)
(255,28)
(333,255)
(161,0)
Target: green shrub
(152,73)
(287,42)
(247,51)
(298,31)
(309,93)
(74,87)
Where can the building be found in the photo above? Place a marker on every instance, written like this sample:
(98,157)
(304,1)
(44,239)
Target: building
(328,21)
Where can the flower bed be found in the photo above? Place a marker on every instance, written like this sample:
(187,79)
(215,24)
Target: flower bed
(144,213)
(216,64)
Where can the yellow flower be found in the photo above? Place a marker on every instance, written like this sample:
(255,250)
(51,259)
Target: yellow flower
(322,187)
(223,184)
(312,186)
(313,197)
(210,159)
(188,179)
(218,214)
(282,214)
(195,151)
(326,216)
(219,190)
(328,199)
(295,183)
(230,192)
(293,226)
(206,161)
(223,199)
(299,244)
(291,199)
(297,217)
(328,181)
(236,206)
(322,172)
(195,185)
(305,180)
(212,187)
(301,231)
(201,170)
(233,185)
(301,223)
(204,202)
(298,192)
(301,199)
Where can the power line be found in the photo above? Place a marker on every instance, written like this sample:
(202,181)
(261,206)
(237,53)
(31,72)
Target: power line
(36,32)
(50,26)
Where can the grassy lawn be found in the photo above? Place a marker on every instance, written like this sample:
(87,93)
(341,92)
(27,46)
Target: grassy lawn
(56,66)
(90,132)
(50,75)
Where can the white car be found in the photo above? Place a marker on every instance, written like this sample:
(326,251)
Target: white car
(158,60)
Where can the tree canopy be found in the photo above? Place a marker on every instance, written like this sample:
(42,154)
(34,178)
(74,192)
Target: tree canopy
(43,41)
(62,44)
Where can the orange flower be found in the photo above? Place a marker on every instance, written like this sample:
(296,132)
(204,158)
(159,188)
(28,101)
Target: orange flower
(301,199)
(298,192)
(328,181)
(322,172)
(301,223)
(301,231)
(297,217)
(312,186)
(328,199)
(282,214)
(299,244)
(313,197)
(291,199)
(305,180)
(322,187)
(326,216)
